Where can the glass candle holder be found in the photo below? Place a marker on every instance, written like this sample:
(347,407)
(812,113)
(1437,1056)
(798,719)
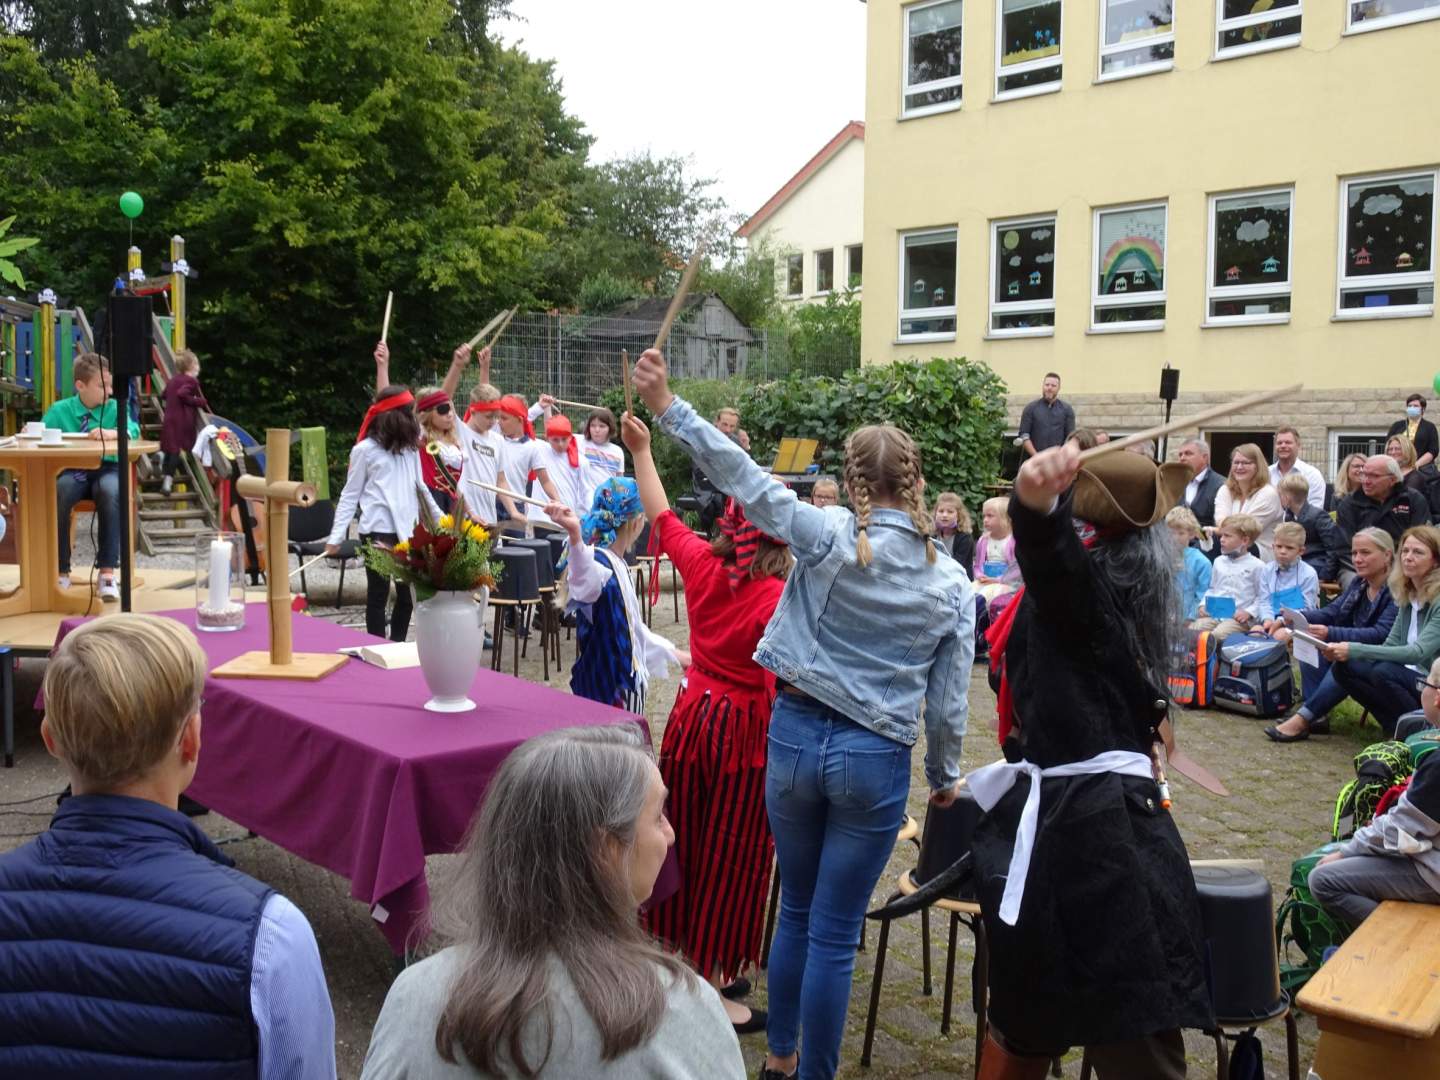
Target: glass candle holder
(219,582)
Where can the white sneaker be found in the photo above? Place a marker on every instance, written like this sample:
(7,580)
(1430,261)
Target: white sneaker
(166,484)
(64,581)
(109,589)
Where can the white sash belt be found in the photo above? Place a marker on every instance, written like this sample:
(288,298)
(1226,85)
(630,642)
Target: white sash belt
(991,782)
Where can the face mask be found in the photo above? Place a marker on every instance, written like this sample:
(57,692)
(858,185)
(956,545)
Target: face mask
(1412,411)
(1235,554)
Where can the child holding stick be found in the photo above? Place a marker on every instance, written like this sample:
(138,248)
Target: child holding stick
(712,757)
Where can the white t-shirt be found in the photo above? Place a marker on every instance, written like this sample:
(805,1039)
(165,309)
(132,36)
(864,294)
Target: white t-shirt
(1413,634)
(569,481)
(521,459)
(599,462)
(483,463)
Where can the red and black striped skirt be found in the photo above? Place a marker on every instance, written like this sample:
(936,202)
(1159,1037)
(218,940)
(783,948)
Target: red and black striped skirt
(712,758)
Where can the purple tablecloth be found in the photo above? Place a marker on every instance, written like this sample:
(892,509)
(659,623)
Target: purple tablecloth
(351,772)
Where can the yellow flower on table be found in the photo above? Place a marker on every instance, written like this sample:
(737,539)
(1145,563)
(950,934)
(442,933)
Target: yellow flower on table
(447,521)
(402,547)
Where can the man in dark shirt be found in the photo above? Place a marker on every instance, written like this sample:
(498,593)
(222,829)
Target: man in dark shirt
(1047,421)
(1385,502)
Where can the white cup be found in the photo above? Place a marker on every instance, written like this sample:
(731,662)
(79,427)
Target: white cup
(34,427)
(52,436)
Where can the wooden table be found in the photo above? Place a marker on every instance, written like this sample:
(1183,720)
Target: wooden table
(1377,999)
(37,467)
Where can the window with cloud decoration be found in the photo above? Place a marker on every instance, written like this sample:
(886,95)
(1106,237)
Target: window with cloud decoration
(1249,277)
(1022,277)
(1387,242)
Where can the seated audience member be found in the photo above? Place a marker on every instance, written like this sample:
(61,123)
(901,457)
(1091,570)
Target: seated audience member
(1201,490)
(1083,438)
(1288,463)
(1101,436)
(825,493)
(129,947)
(1422,434)
(1144,449)
(996,569)
(1364,613)
(953,529)
(1396,856)
(550,972)
(1378,677)
(91,410)
(1289,581)
(1192,573)
(1247,490)
(1418,480)
(1235,576)
(1325,547)
(1350,476)
(1383,501)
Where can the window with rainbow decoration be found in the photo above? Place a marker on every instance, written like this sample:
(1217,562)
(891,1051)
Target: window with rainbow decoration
(1129,278)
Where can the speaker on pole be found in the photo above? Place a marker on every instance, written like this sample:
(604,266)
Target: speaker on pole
(128,343)
(1169,391)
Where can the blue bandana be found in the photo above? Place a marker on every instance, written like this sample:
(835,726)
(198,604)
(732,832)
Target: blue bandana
(617,501)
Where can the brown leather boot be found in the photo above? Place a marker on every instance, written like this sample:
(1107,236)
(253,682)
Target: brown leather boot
(998,1063)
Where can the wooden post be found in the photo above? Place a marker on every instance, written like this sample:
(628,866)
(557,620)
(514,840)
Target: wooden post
(279,493)
(45,346)
(177,291)
(132,260)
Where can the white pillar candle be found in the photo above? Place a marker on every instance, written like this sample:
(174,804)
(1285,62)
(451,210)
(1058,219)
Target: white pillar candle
(219,575)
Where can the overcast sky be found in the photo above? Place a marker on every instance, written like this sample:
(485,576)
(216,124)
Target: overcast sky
(751,89)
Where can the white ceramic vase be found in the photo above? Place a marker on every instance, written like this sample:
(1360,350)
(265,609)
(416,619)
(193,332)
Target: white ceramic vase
(450,635)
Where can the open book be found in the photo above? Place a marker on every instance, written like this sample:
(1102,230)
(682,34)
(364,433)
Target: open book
(397,654)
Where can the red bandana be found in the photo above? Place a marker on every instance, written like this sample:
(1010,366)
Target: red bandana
(398,401)
(558,427)
(429,401)
(515,407)
(481,406)
(747,537)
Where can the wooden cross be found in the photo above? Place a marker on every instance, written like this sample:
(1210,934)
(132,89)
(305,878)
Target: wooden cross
(279,493)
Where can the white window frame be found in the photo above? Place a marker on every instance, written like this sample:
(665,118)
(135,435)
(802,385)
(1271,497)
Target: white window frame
(1045,62)
(1152,68)
(1114,299)
(848,249)
(816,262)
(1019,307)
(1384,281)
(1385,23)
(788,257)
(906,89)
(1215,292)
(947,312)
(1239,22)
(1333,438)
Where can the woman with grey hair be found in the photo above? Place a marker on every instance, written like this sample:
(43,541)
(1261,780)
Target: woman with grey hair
(550,973)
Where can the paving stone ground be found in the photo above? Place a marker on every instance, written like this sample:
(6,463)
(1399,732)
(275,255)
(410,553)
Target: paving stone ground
(1279,808)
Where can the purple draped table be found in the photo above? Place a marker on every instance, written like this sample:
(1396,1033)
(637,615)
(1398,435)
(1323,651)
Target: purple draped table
(351,773)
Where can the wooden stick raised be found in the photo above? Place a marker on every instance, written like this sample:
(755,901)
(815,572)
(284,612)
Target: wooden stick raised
(485,330)
(385,326)
(508,316)
(678,300)
(506,491)
(625,381)
(575,404)
(1182,423)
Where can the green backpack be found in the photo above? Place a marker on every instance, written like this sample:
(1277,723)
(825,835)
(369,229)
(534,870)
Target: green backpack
(1378,768)
(1302,922)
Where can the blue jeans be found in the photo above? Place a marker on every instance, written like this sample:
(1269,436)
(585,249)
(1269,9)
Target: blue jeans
(1385,688)
(836,795)
(103,486)
(1320,691)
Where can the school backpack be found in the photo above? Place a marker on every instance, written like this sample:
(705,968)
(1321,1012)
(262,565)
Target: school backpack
(1421,743)
(1378,768)
(1196,662)
(1303,923)
(1254,676)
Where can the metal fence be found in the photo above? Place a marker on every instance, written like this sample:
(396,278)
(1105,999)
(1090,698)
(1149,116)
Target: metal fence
(578,356)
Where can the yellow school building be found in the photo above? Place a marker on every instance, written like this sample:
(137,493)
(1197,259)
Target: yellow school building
(1243,190)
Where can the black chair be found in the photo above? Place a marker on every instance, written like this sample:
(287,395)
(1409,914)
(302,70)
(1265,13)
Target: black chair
(549,616)
(519,589)
(309,529)
(940,879)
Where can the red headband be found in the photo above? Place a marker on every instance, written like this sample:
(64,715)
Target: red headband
(481,406)
(383,405)
(429,401)
(558,427)
(513,407)
(746,536)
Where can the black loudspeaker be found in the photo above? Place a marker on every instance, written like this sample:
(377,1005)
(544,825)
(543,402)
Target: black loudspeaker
(1169,383)
(127,336)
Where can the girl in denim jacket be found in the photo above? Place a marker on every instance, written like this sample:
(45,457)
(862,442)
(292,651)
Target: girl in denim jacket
(872,632)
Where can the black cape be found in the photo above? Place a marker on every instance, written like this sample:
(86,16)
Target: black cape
(1108,942)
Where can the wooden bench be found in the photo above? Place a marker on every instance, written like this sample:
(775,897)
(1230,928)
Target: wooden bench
(1377,999)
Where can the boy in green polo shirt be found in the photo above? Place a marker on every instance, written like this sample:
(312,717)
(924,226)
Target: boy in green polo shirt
(91,411)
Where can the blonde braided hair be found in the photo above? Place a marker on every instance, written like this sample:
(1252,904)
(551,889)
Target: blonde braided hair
(882,460)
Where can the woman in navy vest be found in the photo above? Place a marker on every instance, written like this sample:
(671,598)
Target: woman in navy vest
(129,947)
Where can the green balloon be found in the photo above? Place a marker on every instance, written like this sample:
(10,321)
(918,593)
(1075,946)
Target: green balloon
(1436,383)
(131,204)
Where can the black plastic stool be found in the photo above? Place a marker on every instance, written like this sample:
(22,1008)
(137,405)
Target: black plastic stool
(549,616)
(519,589)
